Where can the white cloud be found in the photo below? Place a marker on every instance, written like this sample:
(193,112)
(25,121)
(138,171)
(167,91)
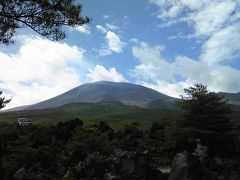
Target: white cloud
(170,78)
(207,16)
(167,23)
(170,89)
(112,27)
(104,51)
(216,21)
(82,29)
(225,78)
(222,45)
(105,16)
(158,2)
(218,77)
(100,73)
(29,94)
(101,29)
(216,24)
(172,11)
(212,12)
(114,42)
(212,17)
(180,35)
(39,70)
(152,64)
(191,69)
(134,40)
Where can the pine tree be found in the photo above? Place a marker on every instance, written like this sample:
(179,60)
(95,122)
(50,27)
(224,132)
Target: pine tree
(205,110)
(3,101)
(46,17)
(205,117)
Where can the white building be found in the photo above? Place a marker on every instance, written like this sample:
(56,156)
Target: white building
(24,121)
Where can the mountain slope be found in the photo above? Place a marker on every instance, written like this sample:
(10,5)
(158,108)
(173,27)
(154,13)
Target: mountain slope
(104,91)
(234,98)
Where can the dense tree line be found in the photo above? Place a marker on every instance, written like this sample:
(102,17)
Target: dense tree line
(56,152)
(71,150)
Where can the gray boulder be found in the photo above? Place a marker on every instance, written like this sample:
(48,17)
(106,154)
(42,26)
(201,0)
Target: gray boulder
(111,176)
(20,174)
(186,166)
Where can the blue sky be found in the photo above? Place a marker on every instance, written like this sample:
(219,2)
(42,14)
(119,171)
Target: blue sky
(161,44)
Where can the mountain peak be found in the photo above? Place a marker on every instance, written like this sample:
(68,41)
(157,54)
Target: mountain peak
(104,91)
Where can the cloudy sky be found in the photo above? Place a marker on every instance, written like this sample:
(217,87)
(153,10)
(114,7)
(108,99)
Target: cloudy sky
(162,44)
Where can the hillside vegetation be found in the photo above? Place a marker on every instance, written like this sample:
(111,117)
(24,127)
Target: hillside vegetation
(115,114)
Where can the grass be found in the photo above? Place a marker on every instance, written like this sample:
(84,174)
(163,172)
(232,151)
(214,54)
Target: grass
(115,115)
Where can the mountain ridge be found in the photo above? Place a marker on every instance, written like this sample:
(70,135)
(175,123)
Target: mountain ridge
(115,93)
(233,98)
(103,91)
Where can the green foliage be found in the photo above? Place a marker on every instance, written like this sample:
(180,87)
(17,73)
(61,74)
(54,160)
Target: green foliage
(206,117)
(131,137)
(60,151)
(156,131)
(88,141)
(46,17)
(161,142)
(217,143)
(116,116)
(54,152)
(205,110)
(3,101)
